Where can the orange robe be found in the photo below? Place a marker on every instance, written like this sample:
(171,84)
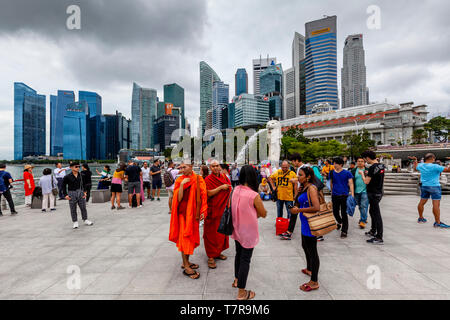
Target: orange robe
(184,224)
(215,242)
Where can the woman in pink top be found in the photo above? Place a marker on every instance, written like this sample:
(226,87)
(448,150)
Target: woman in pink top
(246,208)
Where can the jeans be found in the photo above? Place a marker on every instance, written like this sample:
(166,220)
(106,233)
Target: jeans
(264,197)
(375,214)
(8,197)
(435,193)
(363,203)
(292,222)
(234,183)
(60,188)
(309,245)
(280,204)
(242,264)
(76,198)
(340,211)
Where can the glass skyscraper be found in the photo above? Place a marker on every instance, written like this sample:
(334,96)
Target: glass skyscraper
(241,82)
(29,122)
(251,110)
(231,115)
(173,93)
(58,105)
(321,64)
(207,78)
(77,135)
(97,123)
(143,115)
(93,100)
(271,87)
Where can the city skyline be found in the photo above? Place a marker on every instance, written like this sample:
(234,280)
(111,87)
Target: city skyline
(402,62)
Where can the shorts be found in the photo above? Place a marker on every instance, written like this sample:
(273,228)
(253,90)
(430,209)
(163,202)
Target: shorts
(434,192)
(170,192)
(147,185)
(115,187)
(156,184)
(134,187)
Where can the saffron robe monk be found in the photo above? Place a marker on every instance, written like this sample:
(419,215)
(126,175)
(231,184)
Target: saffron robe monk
(189,207)
(218,186)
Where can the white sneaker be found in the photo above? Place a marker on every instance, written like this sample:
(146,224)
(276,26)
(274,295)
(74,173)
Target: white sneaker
(140,206)
(130,207)
(88,223)
(75,225)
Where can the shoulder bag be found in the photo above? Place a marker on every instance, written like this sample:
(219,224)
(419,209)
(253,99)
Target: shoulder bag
(226,222)
(55,191)
(322,221)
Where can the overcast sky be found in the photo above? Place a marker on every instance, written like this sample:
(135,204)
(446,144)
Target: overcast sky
(154,42)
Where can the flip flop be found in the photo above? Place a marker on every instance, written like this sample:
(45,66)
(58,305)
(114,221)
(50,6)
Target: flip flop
(234,285)
(192,274)
(247,297)
(307,288)
(192,266)
(222,257)
(305,271)
(212,265)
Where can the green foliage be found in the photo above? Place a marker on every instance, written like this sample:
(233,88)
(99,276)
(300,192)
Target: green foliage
(312,151)
(358,143)
(419,136)
(440,127)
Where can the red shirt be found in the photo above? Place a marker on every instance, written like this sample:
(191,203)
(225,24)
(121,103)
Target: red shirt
(28,176)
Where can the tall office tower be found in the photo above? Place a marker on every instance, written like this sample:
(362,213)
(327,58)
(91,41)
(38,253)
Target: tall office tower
(207,78)
(216,114)
(29,122)
(240,81)
(288,94)
(271,87)
(259,65)
(173,93)
(124,129)
(143,115)
(58,105)
(164,127)
(231,115)
(224,115)
(251,110)
(97,123)
(220,93)
(209,119)
(302,88)
(353,73)
(321,64)
(77,136)
(298,55)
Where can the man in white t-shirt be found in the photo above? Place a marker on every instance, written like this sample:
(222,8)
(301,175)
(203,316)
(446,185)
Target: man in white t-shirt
(146,179)
(59,173)
(174,173)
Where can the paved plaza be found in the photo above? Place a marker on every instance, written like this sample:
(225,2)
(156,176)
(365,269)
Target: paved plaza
(127,255)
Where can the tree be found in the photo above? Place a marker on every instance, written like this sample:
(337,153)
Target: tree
(312,151)
(419,136)
(297,134)
(439,127)
(358,143)
(286,144)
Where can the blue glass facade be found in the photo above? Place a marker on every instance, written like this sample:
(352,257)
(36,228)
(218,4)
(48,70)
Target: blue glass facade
(143,114)
(93,100)
(241,81)
(77,135)
(231,115)
(321,64)
(220,93)
(29,122)
(207,78)
(96,123)
(174,94)
(58,105)
(270,81)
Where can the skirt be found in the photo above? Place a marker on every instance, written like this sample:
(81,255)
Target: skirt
(115,187)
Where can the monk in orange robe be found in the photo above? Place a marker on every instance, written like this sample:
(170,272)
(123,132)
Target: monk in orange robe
(189,207)
(218,186)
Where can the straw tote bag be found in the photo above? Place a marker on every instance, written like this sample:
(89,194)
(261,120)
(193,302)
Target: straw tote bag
(322,221)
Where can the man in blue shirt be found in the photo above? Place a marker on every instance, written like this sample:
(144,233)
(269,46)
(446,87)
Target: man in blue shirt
(430,187)
(6,182)
(361,197)
(341,182)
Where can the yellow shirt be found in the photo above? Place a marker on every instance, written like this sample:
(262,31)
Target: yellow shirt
(285,188)
(119,175)
(326,170)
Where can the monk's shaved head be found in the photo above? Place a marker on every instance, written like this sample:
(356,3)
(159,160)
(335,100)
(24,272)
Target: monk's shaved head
(215,166)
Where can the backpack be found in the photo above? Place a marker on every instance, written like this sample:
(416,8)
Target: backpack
(168,179)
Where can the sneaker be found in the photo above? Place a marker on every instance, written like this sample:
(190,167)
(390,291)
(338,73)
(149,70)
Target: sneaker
(421,220)
(159,199)
(75,225)
(362,225)
(113,207)
(370,234)
(130,207)
(320,238)
(43,210)
(283,234)
(286,236)
(339,226)
(120,208)
(88,223)
(14,212)
(343,235)
(375,240)
(53,209)
(441,225)
(152,199)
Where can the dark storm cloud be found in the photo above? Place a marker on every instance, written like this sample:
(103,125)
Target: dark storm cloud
(113,22)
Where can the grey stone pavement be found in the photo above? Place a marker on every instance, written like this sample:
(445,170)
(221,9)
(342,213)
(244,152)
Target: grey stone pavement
(127,255)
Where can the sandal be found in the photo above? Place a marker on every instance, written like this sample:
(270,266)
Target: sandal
(307,272)
(248,296)
(195,274)
(212,264)
(192,266)
(307,288)
(234,285)
(222,257)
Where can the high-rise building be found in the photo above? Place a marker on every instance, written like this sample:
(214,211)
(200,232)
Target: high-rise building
(260,65)
(271,87)
(209,119)
(289,94)
(241,82)
(220,93)
(251,110)
(96,123)
(58,105)
(302,88)
(217,111)
(143,115)
(164,127)
(224,124)
(207,78)
(173,93)
(353,73)
(124,129)
(77,136)
(160,109)
(29,122)
(94,101)
(321,63)
(231,115)
(298,55)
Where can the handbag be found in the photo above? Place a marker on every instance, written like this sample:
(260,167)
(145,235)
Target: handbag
(226,222)
(322,221)
(55,191)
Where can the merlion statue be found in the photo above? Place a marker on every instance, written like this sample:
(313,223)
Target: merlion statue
(274,139)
